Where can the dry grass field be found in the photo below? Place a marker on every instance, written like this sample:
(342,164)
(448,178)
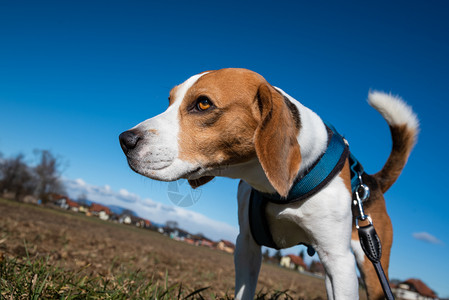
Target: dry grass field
(105,251)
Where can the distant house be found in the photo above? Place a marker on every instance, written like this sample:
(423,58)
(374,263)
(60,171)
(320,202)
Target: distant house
(100,211)
(226,246)
(201,240)
(146,223)
(61,202)
(176,233)
(293,262)
(189,241)
(55,197)
(31,199)
(140,222)
(413,289)
(183,234)
(133,220)
(317,268)
(114,217)
(64,202)
(74,206)
(83,208)
(206,243)
(125,219)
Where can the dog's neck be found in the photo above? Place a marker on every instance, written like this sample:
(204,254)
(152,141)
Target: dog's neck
(312,136)
(312,139)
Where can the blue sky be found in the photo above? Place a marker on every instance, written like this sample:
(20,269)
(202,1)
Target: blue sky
(74,74)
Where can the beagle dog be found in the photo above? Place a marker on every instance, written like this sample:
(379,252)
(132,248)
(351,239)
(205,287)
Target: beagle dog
(233,123)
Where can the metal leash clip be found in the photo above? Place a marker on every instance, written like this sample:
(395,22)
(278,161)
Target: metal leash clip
(362,193)
(369,240)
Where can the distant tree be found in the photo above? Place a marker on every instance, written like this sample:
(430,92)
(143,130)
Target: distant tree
(278,256)
(47,173)
(16,177)
(171,224)
(128,212)
(302,254)
(316,267)
(266,255)
(82,200)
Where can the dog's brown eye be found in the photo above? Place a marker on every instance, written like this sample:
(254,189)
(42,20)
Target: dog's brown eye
(203,104)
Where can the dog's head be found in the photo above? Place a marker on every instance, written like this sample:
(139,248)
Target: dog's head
(217,120)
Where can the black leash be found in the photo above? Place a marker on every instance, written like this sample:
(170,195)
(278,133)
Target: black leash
(368,237)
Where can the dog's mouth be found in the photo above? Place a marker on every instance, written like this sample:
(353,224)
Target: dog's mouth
(166,170)
(192,174)
(136,164)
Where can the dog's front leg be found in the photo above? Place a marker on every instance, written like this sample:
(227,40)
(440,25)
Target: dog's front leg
(328,218)
(341,279)
(248,255)
(247,260)
(333,247)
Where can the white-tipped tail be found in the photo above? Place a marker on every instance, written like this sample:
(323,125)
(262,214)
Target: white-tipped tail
(393,109)
(404,127)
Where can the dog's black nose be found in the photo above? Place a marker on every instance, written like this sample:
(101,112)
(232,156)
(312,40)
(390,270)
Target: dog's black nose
(129,140)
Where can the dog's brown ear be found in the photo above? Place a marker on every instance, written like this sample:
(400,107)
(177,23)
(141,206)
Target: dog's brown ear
(194,183)
(275,139)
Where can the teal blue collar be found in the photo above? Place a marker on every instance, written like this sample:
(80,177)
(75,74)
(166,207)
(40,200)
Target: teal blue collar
(305,186)
(324,170)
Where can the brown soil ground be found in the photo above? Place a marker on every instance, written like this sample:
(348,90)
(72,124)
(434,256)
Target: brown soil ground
(74,241)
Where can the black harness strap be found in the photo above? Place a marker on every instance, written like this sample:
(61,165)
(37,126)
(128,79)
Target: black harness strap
(260,229)
(320,174)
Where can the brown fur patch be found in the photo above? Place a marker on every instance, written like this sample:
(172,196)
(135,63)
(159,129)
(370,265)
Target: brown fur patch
(171,97)
(294,111)
(345,174)
(276,140)
(224,134)
(241,125)
(404,139)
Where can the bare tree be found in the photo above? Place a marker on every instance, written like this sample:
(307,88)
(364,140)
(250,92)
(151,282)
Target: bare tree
(16,177)
(82,199)
(47,173)
(128,212)
(266,255)
(278,256)
(301,254)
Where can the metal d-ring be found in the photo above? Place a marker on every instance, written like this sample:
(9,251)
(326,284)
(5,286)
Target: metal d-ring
(366,217)
(366,192)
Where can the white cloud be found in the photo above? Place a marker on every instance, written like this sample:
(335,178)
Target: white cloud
(128,196)
(154,211)
(124,192)
(80,182)
(427,237)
